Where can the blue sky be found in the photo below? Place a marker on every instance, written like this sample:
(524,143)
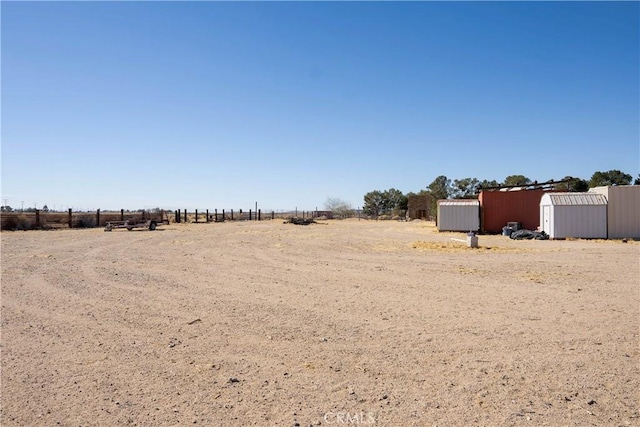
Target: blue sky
(223,104)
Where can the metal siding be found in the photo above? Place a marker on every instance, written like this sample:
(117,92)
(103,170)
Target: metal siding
(458,216)
(623,210)
(500,207)
(582,222)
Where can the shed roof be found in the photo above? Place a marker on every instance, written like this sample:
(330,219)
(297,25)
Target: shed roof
(574,199)
(459,202)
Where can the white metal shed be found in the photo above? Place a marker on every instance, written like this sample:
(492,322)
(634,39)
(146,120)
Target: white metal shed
(458,215)
(623,210)
(579,215)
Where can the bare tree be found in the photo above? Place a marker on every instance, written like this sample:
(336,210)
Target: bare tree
(339,207)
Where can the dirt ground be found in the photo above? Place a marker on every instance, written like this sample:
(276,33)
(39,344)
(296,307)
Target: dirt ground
(343,323)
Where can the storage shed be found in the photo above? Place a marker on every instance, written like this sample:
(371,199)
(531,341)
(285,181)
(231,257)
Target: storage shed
(623,210)
(458,215)
(579,215)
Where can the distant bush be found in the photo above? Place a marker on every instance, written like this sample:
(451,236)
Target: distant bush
(24,223)
(16,222)
(9,223)
(84,222)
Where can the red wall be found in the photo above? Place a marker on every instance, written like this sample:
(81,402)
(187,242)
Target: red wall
(499,207)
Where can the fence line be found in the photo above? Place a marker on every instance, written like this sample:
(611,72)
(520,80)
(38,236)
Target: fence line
(38,219)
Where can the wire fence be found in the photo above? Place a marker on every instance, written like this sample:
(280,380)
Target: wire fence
(46,220)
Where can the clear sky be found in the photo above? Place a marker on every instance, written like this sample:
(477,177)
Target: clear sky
(204,105)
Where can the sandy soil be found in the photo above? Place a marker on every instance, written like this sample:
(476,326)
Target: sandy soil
(344,323)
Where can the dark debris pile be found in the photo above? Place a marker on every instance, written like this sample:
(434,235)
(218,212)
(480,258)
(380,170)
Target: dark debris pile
(300,221)
(529,235)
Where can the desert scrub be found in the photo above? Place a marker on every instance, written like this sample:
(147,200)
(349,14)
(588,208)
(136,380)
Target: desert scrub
(84,222)
(16,222)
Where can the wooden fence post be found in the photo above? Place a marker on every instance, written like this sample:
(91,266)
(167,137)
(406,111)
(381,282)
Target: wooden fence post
(249,214)
(273,215)
(185,217)
(216,214)
(121,214)
(207,215)
(259,214)
(223,214)
(98,218)
(70,218)
(231,214)
(37,218)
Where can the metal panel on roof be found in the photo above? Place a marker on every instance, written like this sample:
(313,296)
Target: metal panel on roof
(576,199)
(459,202)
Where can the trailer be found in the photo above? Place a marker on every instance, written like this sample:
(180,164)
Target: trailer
(130,224)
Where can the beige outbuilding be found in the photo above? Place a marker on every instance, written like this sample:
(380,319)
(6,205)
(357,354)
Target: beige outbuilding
(623,210)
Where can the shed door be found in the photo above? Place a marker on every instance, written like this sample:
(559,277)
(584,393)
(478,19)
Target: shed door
(546,216)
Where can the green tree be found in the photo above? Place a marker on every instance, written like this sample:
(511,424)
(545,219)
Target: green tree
(516,180)
(612,177)
(465,188)
(637,181)
(384,202)
(373,203)
(488,184)
(394,200)
(573,184)
(440,188)
(404,203)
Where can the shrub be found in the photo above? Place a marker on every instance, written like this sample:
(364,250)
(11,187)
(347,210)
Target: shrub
(84,222)
(23,223)
(9,223)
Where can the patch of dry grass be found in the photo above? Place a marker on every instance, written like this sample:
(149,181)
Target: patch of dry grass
(610,241)
(453,247)
(535,277)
